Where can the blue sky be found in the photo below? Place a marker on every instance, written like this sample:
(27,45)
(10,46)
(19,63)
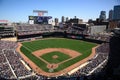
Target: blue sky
(19,10)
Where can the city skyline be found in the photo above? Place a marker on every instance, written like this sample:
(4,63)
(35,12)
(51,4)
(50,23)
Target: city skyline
(19,10)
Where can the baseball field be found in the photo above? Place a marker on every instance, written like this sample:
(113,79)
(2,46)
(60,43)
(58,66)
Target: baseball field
(55,54)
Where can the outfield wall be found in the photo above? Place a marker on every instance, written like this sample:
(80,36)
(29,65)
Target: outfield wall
(60,34)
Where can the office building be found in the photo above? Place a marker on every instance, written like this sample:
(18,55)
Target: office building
(67,19)
(56,21)
(63,19)
(116,15)
(102,15)
(110,17)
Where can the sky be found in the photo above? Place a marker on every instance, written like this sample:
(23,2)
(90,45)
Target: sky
(19,10)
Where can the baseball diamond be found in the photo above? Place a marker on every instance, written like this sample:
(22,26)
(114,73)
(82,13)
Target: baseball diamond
(56,56)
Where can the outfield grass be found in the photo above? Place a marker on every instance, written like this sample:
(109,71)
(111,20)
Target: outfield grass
(81,46)
(49,57)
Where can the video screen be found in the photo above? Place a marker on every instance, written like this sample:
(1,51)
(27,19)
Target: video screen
(41,19)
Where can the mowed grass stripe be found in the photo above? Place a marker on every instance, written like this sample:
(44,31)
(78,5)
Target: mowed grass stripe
(34,59)
(77,45)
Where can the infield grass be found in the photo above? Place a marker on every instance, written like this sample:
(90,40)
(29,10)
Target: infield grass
(60,57)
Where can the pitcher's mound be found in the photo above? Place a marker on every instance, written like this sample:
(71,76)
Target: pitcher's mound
(55,56)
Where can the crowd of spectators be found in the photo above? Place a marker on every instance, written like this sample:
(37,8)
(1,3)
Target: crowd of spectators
(33,29)
(10,65)
(7,31)
(93,64)
(103,48)
(5,71)
(2,58)
(7,45)
(17,66)
(4,67)
(100,36)
(76,30)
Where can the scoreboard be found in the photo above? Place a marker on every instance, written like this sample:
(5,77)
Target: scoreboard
(40,19)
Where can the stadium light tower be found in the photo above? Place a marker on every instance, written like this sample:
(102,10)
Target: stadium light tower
(40,12)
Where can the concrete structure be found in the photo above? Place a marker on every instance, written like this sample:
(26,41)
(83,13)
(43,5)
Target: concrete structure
(97,29)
